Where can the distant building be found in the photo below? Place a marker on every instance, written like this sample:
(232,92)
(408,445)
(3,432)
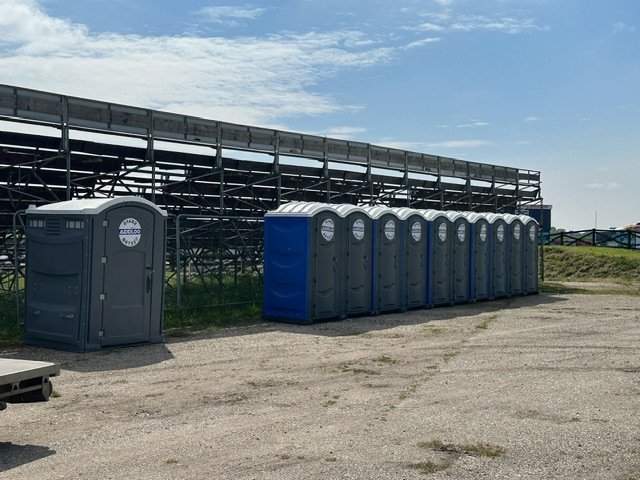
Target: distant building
(541,213)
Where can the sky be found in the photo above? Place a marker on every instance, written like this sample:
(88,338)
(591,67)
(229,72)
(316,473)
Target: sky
(547,85)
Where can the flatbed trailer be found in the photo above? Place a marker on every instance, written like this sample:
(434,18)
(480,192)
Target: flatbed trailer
(25,381)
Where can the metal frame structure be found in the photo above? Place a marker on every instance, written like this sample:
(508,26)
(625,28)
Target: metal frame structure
(56,147)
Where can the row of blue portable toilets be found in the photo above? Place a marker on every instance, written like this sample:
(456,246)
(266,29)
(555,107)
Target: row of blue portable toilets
(324,261)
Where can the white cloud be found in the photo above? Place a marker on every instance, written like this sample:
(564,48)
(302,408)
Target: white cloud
(620,27)
(230,14)
(473,124)
(469,23)
(603,185)
(423,42)
(447,144)
(346,132)
(531,119)
(246,79)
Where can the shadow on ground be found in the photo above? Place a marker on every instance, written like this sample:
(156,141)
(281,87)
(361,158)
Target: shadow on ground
(121,358)
(12,455)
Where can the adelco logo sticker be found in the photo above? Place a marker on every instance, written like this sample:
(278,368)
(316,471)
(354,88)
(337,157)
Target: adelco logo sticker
(390,229)
(327,229)
(358,229)
(416,231)
(130,232)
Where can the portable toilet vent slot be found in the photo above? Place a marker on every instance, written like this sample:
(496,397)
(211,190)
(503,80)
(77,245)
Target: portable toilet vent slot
(75,298)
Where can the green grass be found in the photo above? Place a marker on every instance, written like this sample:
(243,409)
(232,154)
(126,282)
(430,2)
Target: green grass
(591,263)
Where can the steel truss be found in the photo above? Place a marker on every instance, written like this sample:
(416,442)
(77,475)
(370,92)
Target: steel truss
(55,147)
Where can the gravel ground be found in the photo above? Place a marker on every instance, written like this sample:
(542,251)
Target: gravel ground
(545,386)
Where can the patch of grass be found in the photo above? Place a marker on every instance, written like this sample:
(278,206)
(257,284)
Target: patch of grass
(331,459)
(347,367)
(284,456)
(429,467)
(559,289)
(385,359)
(475,449)
(448,356)
(172,461)
(485,323)
(436,331)
(55,394)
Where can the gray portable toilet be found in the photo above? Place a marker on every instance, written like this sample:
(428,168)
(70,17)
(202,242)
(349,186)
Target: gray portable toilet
(516,254)
(302,274)
(356,261)
(387,259)
(479,277)
(439,239)
(461,249)
(95,273)
(415,258)
(531,245)
(499,256)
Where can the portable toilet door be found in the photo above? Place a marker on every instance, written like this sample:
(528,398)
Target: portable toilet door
(479,259)
(302,278)
(356,259)
(531,243)
(95,273)
(387,259)
(516,254)
(461,248)
(499,260)
(415,258)
(439,239)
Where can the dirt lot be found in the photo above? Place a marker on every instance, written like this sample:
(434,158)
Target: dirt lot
(538,387)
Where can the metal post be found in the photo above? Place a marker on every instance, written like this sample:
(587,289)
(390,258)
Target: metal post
(16,267)
(178,264)
(150,156)
(65,143)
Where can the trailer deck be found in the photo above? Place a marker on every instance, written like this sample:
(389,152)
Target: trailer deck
(25,381)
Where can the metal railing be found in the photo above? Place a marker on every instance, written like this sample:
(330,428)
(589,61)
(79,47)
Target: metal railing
(595,238)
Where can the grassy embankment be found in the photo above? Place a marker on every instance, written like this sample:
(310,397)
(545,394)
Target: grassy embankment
(616,270)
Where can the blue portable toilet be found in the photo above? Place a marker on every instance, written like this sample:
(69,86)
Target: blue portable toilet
(439,240)
(479,273)
(415,258)
(387,259)
(302,276)
(516,239)
(498,256)
(460,253)
(356,259)
(531,245)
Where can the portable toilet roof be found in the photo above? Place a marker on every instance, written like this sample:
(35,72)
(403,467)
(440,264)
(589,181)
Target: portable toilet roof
(526,219)
(405,212)
(346,209)
(89,206)
(473,217)
(431,215)
(453,216)
(511,218)
(300,209)
(493,217)
(376,211)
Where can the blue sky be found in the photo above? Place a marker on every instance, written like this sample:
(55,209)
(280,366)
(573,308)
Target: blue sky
(540,84)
